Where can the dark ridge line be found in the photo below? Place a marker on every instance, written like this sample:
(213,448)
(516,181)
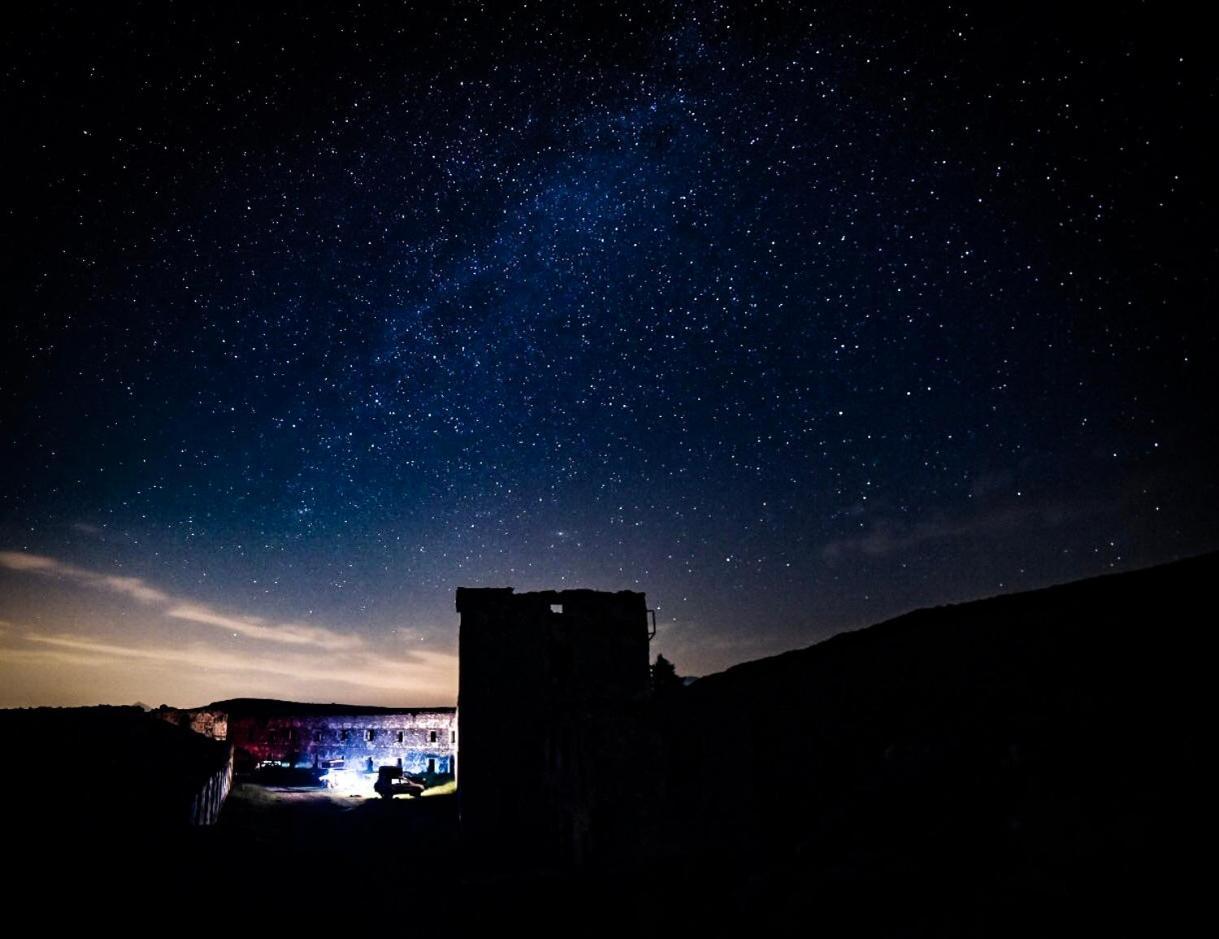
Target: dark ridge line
(274,707)
(946,611)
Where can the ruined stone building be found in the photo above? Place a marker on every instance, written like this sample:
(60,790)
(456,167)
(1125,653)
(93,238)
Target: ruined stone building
(206,721)
(552,689)
(314,736)
(555,749)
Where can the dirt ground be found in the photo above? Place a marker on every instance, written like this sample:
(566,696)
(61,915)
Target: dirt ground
(345,855)
(271,836)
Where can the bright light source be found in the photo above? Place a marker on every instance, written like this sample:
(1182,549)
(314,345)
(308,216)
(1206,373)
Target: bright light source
(348,782)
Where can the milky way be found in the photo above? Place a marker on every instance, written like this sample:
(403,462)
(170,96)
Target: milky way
(793,318)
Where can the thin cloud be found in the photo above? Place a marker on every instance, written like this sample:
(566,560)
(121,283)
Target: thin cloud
(133,587)
(887,536)
(255,628)
(55,657)
(294,634)
(421,670)
(20,561)
(50,567)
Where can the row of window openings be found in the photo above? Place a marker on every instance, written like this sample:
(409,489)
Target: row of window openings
(369,735)
(431,764)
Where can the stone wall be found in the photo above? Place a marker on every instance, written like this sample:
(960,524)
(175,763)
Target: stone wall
(552,690)
(418,740)
(123,771)
(206,721)
(209,800)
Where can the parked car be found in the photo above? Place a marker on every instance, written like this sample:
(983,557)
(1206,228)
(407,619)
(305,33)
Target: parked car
(392,781)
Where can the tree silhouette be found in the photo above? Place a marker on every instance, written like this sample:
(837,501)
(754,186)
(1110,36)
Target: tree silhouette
(665,680)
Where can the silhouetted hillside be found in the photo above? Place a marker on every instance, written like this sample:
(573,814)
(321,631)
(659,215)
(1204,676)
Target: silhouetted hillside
(99,794)
(966,768)
(270,707)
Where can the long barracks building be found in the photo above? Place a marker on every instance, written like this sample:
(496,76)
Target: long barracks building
(418,740)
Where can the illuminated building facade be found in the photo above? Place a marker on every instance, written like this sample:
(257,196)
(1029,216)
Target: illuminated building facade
(315,736)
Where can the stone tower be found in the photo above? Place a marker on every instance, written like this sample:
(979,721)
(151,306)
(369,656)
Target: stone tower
(551,699)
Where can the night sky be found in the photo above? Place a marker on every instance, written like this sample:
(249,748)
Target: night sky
(792,317)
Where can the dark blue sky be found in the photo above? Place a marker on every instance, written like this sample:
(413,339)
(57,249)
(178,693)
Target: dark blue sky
(792,317)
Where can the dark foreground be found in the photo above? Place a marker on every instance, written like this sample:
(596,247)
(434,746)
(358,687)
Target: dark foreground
(1026,765)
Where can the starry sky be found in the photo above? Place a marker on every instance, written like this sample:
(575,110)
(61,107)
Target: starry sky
(792,316)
